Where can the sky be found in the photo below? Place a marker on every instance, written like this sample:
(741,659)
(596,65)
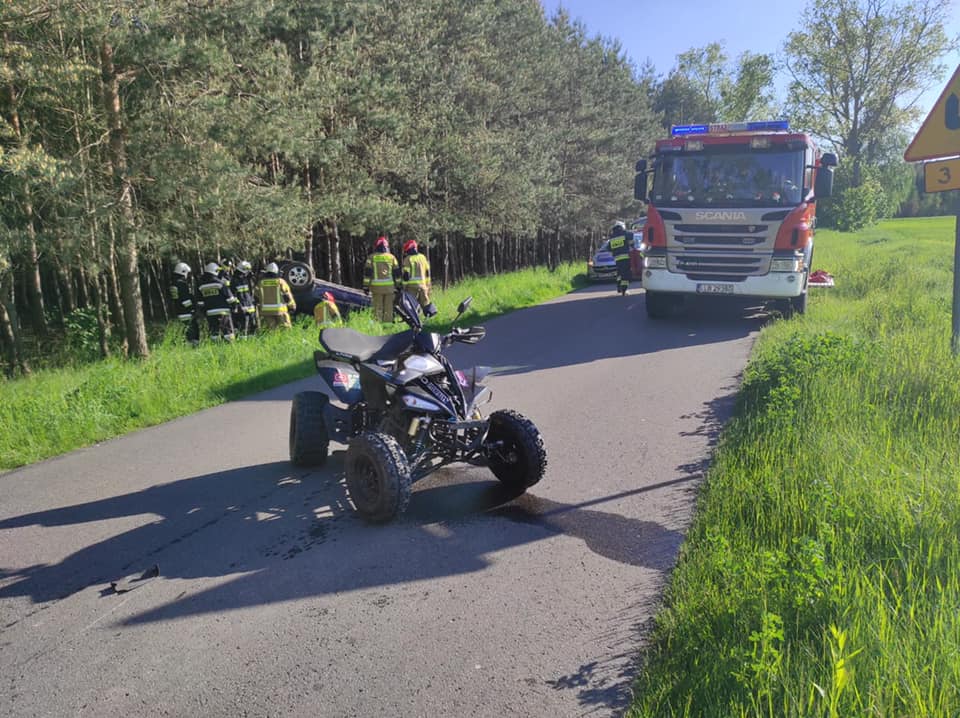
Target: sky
(662,30)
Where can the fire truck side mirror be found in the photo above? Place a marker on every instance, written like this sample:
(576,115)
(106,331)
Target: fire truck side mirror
(640,181)
(640,186)
(823,186)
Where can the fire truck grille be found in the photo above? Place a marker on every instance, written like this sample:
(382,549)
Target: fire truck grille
(716,267)
(720,228)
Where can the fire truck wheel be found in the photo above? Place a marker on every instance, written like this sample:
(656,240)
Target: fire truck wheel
(658,305)
(799,304)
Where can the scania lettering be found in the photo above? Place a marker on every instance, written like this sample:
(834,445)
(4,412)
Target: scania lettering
(731,210)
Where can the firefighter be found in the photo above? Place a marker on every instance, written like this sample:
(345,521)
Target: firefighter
(182,297)
(217,302)
(380,275)
(275,298)
(245,311)
(326,313)
(620,240)
(416,277)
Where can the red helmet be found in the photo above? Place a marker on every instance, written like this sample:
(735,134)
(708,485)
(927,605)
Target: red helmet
(410,245)
(381,243)
(328,296)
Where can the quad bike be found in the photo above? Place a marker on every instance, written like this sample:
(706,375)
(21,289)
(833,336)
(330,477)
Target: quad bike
(404,412)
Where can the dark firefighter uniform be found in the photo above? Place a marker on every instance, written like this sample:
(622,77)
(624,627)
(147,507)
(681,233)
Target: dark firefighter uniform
(217,301)
(183,306)
(416,277)
(245,310)
(276,301)
(380,275)
(620,249)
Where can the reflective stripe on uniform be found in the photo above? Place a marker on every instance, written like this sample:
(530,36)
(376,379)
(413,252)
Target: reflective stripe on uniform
(217,312)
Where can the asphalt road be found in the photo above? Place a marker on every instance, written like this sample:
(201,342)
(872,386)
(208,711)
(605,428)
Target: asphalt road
(273,599)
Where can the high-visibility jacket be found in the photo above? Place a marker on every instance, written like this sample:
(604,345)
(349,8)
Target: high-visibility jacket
(620,248)
(182,298)
(243,291)
(381,270)
(416,270)
(275,296)
(326,313)
(214,296)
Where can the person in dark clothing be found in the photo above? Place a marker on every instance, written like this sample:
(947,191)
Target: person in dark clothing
(181,295)
(217,301)
(245,310)
(620,240)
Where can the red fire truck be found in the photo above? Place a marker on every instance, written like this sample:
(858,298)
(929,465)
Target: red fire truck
(731,212)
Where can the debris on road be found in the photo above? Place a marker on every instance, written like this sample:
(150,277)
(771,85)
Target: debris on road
(128,584)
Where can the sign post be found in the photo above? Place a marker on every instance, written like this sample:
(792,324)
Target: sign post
(939,138)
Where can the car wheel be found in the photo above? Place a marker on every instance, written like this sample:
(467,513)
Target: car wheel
(298,275)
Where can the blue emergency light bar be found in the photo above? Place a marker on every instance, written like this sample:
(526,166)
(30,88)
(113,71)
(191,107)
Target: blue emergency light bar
(723,127)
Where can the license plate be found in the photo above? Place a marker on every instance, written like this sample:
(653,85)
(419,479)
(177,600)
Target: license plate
(714,289)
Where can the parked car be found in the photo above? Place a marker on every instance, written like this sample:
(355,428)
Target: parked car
(308,290)
(602,266)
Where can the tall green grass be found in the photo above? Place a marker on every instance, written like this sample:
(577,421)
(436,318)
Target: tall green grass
(54,411)
(821,576)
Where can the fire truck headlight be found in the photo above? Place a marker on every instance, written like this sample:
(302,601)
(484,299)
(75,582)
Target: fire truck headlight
(655,262)
(786,264)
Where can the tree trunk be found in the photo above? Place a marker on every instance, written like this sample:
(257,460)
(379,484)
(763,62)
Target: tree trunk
(68,301)
(113,287)
(136,331)
(333,254)
(446,259)
(9,328)
(103,324)
(32,275)
(308,240)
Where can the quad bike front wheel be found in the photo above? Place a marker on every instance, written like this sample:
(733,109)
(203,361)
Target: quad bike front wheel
(516,456)
(309,440)
(378,476)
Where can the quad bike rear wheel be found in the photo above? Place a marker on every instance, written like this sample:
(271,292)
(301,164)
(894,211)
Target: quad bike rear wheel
(517,455)
(378,476)
(309,441)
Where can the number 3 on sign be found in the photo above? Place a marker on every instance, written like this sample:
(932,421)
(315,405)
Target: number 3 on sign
(941,176)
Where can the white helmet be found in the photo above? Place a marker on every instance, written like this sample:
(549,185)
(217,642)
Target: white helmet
(182,268)
(244,266)
(618,226)
(212,268)
(272,268)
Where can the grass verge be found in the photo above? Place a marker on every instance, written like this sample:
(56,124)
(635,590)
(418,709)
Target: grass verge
(54,411)
(821,576)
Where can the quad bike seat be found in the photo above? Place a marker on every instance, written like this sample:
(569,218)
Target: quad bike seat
(353,345)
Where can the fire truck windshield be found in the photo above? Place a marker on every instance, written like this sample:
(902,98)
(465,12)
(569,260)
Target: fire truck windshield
(728,176)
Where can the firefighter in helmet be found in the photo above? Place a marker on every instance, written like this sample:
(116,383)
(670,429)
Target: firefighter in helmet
(217,301)
(181,294)
(275,298)
(380,275)
(416,276)
(620,240)
(245,312)
(326,313)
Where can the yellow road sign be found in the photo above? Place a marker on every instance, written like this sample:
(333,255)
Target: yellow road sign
(941,176)
(939,135)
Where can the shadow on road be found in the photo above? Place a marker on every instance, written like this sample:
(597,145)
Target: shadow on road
(247,524)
